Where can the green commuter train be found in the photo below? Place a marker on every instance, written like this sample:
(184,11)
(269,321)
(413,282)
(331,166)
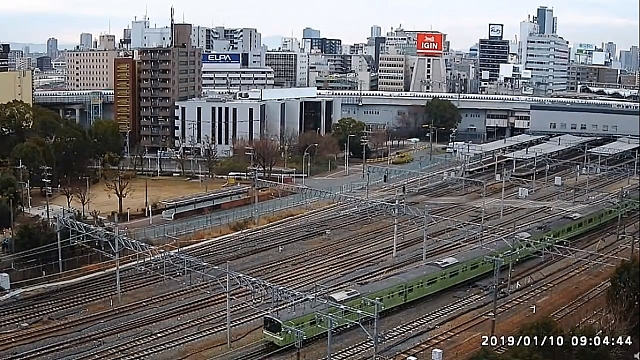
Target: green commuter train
(441,274)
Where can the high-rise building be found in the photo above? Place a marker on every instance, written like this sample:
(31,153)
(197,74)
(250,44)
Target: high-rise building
(4,57)
(322,46)
(90,69)
(309,33)
(14,55)
(86,41)
(167,75)
(635,60)
(492,52)
(290,69)
(52,48)
(611,50)
(547,56)
(376,31)
(126,102)
(547,23)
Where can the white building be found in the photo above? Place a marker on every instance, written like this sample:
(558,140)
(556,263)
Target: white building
(90,69)
(252,115)
(290,44)
(547,56)
(235,71)
(144,36)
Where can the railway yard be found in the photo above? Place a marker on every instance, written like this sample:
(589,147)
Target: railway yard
(366,242)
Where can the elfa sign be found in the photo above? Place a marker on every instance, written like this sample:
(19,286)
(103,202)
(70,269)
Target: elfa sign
(220,58)
(429,44)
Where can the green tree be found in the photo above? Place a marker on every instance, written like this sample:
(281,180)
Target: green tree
(106,137)
(5,214)
(32,236)
(16,119)
(10,189)
(441,114)
(30,153)
(345,127)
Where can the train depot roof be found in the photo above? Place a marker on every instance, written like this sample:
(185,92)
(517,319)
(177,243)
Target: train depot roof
(552,146)
(617,147)
(476,149)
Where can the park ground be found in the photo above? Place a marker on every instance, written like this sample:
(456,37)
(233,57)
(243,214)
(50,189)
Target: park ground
(158,189)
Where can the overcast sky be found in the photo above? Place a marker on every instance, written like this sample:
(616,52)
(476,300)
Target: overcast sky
(465,21)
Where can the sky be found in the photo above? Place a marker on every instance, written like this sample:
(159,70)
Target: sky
(464,21)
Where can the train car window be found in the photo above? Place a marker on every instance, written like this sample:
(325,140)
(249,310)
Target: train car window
(474,266)
(580,225)
(432,281)
(464,268)
(271,325)
(453,274)
(590,220)
(312,323)
(410,289)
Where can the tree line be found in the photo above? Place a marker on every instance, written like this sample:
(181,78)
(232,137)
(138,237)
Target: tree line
(41,149)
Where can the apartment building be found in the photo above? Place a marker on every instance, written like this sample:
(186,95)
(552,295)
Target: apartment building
(126,103)
(16,85)
(167,75)
(392,73)
(90,69)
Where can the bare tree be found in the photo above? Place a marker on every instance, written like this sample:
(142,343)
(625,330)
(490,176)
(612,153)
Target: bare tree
(306,139)
(377,140)
(210,153)
(412,118)
(118,182)
(84,197)
(138,158)
(181,157)
(328,145)
(265,154)
(95,214)
(68,194)
(239,147)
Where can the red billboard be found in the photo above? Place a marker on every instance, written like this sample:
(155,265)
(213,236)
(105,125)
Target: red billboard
(429,44)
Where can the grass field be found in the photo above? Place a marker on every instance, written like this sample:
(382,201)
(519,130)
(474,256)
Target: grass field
(158,189)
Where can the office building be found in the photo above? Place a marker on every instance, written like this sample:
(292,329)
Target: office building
(16,85)
(167,75)
(629,59)
(4,57)
(322,45)
(546,56)
(235,71)
(290,69)
(252,115)
(309,33)
(90,69)
(593,75)
(376,31)
(14,55)
(26,63)
(611,49)
(106,42)
(52,48)
(393,73)
(86,41)
(290,44)
(43,63)
(492,52)
(547,23)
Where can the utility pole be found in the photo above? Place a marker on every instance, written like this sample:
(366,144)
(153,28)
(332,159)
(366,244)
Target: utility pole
(117,245)
(496,280)
(424,235)
(364,154)
(502,196)
(20,169)
(228,295)
(45,178)
(395,226)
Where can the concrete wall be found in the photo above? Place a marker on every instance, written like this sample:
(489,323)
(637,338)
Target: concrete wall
(602,122)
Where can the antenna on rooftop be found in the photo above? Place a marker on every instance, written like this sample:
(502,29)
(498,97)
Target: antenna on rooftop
(109,26)
(146,11)
(172,33)
(183,17)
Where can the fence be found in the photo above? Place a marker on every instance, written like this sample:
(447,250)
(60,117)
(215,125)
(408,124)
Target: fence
(220,218)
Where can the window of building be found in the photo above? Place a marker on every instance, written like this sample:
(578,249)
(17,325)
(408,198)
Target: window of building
(574,126)
(614,128)
(594,127)
(605,127)
(552,125)
(563,125)
(583,126)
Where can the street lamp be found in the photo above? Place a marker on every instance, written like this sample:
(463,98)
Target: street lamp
(347,151)
(306,152)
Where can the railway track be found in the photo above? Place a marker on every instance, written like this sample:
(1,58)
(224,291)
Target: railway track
(558,277)
(228,243)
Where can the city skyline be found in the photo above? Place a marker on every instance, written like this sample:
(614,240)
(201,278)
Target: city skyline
(590,21)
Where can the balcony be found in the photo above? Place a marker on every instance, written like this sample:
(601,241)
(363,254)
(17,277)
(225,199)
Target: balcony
(145,103)
(145,112)
(154,57)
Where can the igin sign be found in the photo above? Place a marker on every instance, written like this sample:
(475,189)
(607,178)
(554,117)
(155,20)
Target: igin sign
(429,44)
